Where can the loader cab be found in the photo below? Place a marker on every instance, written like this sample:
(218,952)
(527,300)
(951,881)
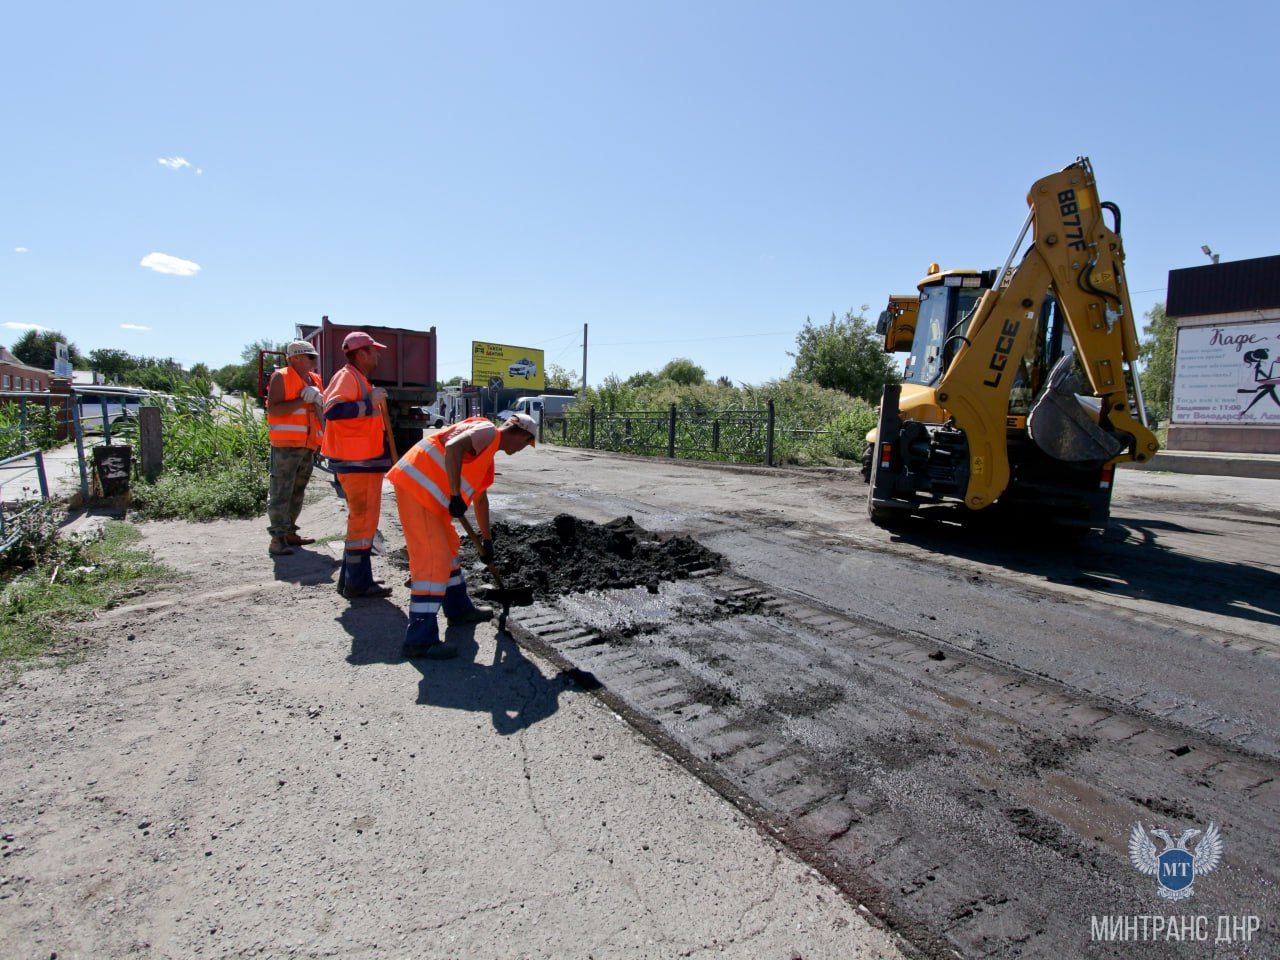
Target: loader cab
(941,319)
(946,300)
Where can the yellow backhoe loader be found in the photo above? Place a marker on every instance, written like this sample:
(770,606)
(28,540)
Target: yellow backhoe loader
(1020,387)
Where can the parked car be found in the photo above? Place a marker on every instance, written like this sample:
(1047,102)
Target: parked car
(523,368)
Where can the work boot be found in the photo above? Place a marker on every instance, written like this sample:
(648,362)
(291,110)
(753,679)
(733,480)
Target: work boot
(356,580)
(458,606)
(372,591)
(279,548)
(422,638)
(296,540)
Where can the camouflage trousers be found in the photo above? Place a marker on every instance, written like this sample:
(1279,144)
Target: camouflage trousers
(290,471)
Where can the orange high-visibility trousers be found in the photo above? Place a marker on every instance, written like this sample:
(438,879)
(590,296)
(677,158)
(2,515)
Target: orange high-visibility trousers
(364,502)
(432,543)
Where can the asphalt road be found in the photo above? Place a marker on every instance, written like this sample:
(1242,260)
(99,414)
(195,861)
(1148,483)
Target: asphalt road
(959,725)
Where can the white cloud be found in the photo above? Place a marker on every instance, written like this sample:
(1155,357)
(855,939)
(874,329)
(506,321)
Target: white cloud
(199,171)
(174,266)
(14,325)
(133,326)
(173,163)
(21,250)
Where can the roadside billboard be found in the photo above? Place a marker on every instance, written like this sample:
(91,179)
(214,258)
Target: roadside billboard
(1228,374)
(517,367)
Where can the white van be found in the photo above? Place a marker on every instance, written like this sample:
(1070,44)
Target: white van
(536,406)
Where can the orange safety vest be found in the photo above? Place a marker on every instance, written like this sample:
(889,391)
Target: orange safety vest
(421,474)
(301,428)
(357,438)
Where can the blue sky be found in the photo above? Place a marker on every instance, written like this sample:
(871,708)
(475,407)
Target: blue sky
(668,172)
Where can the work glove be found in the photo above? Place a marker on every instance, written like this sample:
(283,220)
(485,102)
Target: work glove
(311,394)
(457,506)
(486,551)
(379,396)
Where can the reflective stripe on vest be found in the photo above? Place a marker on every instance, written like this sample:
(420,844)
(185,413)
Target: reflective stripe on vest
(358,438)
(302,427)
(422,470)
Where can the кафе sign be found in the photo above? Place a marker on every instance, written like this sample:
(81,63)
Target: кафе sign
(1228,374)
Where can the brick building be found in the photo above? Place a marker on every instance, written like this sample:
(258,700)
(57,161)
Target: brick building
(16,375)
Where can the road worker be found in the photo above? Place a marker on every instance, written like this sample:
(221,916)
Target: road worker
(435,481)
(355,443)
(294,426)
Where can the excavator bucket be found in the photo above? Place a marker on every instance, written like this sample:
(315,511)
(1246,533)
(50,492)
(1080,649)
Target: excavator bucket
(1064,425)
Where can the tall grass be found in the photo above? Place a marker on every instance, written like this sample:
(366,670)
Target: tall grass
(216,459)
(40,431)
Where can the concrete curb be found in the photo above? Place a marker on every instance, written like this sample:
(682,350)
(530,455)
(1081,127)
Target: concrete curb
(1249,465)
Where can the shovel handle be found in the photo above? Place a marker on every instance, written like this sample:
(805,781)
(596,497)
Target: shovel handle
(475,542)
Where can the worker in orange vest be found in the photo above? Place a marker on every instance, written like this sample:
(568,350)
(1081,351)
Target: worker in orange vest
(435,481)
(355,444)
(294,428)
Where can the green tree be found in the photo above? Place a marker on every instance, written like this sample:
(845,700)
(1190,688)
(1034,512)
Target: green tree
(1157,362)
(560,378)
(237,378)
(843,354)
(683,371)
(37,348)
(724,382)
(111,363)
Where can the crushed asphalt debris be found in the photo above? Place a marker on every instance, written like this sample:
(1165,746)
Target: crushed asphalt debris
(570,555)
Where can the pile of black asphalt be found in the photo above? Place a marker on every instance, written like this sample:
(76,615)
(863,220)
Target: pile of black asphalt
(571,555)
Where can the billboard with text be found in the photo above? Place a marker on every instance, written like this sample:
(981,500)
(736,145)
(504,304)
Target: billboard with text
(1228,374)
(517,367)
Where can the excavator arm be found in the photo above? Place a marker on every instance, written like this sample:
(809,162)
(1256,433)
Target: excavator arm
(1078,258)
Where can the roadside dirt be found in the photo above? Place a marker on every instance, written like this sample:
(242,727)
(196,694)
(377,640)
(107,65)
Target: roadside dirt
(242,766)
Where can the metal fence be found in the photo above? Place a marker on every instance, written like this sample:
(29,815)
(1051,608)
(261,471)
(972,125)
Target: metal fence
(731,436)
(47,442)
(766,436)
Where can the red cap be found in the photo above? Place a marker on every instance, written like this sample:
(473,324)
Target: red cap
(358,339)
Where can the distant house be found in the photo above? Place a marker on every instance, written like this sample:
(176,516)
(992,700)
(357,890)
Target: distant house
(16,375)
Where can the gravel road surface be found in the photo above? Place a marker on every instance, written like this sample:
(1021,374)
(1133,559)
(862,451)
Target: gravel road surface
(961,726)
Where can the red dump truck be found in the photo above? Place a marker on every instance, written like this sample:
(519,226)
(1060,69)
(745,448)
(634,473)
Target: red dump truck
(406,369)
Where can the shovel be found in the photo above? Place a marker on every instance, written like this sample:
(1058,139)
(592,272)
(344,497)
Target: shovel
(508,597)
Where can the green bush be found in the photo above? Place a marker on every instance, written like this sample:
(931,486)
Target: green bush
(233,492)
(849,431)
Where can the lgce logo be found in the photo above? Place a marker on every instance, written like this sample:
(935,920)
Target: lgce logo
(1176,868)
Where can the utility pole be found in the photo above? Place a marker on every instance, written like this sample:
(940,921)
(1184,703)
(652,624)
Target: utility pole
(584,362)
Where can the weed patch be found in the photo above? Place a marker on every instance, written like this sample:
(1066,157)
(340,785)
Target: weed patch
(70,579)
(216,462)
(230,492)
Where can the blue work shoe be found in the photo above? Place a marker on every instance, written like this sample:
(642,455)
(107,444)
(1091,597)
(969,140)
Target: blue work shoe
(422,639)
(458,606)
(356,579)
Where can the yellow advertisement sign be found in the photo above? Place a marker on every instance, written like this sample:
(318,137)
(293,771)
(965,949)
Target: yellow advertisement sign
(517,367)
